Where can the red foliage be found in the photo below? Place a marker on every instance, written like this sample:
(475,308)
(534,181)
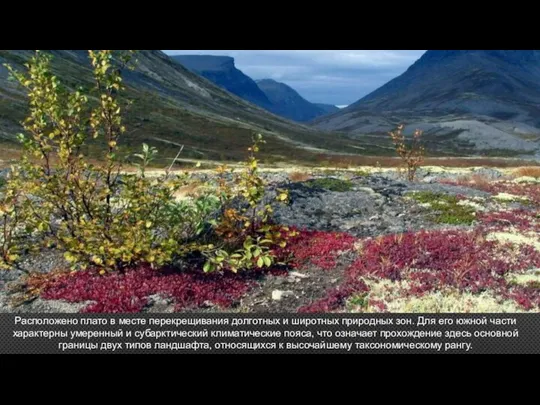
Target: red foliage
(442,258)
(128,292)
(526,296)
(532,191)
(520,219)
(318,248)
(430,260)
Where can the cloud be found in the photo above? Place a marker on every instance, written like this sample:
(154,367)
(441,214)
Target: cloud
(333,77)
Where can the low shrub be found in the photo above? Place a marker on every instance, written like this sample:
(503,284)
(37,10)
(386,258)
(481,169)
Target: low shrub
(318,248)
(129,291)
(411,153)
(105,217)
(246,235)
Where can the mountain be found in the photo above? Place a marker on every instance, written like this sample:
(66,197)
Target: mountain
(327,108)
(273,96)
(288,103)
(477,101)
(222,71)
(172,107)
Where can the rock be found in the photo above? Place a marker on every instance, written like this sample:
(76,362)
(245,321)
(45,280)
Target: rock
(488,173)
(429,179)
(297,274)
(277,295)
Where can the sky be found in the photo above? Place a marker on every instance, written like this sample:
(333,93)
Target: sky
(331,77)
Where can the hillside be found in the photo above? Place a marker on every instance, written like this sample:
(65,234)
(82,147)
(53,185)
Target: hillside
(173,106)
(327,108)
(474,101)
(222,71)
(286,102)
(273,96)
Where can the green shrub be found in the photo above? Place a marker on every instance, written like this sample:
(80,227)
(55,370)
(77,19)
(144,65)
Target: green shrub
(94,213)
(247,237)
(101,216)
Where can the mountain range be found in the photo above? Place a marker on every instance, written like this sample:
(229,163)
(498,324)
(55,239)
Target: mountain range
(269,94)
(466,101)
(172,107)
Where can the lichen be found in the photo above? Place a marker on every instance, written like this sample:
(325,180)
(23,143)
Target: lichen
(516,237)
(393,296)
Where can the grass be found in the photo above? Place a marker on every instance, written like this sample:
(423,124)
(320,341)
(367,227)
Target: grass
(446,208)
(299,176)
(527,171)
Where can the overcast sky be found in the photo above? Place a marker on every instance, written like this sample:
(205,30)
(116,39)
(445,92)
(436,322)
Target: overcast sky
(333,77)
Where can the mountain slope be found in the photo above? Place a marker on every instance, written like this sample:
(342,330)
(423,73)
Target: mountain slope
(288,103)
(327,108)
(222,71)
(173,106)
(470,101)
(275,97)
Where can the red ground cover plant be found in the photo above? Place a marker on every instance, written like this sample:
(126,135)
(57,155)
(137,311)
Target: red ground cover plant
(442,258)
(520,219)
(531,191)
(527,297)
(431,260)
(318,248)
(128,292)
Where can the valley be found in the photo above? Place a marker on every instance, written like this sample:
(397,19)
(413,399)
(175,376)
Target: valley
(228,193)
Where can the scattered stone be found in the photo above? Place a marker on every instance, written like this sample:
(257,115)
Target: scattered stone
(277,295)
(298,275)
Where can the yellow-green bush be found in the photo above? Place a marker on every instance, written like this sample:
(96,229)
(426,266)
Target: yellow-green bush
(246,234)
(101,216)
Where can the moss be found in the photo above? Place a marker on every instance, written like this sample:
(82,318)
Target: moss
(446,207)
(358,302)
(330,184)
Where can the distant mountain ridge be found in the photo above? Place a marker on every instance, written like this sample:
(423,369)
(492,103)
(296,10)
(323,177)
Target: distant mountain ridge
(273,96)
(172,107)
(327,108)
(222,71)
(474,100)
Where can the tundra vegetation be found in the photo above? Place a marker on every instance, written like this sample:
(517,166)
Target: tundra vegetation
(348,239)
(98,215)
(411,152)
